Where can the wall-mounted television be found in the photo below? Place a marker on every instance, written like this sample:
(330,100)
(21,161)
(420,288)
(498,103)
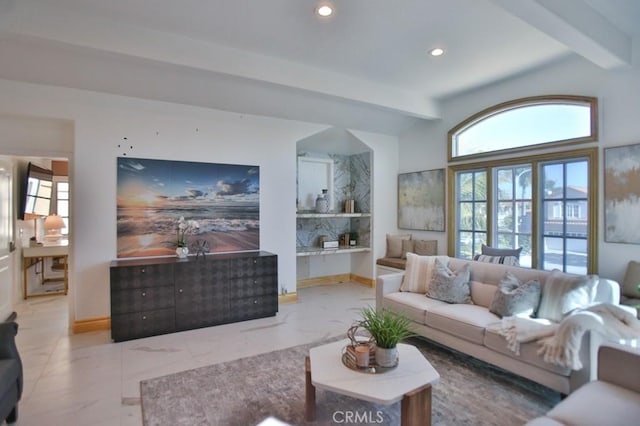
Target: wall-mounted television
(38,192)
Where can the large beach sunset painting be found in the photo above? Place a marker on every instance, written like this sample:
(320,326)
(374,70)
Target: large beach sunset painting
(224,199)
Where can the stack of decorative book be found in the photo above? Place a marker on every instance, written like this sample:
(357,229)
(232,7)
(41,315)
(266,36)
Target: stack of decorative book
(349,356)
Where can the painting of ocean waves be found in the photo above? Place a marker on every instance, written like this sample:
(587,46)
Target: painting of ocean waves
(154,194)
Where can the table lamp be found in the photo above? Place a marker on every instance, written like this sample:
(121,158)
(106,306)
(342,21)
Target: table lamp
(52,226)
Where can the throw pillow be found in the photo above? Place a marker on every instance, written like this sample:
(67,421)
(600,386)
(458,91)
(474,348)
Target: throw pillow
(503,260)
(632,280)
(515,298)
(449,286)
(407,247)
(418,272)
(492,251)
(426,247)
(562,293)
(394,244)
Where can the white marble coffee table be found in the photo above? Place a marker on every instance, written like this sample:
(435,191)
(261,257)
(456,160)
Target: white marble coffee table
(410,382)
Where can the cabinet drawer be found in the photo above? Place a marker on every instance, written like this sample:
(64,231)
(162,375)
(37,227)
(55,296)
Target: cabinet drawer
(127,277)
(253,266)
(142,324)
(253,307)
(141,299)
(253,286)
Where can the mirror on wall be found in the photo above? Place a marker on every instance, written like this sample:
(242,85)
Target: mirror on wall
(38,192)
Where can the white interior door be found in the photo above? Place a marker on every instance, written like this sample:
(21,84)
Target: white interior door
(6,279)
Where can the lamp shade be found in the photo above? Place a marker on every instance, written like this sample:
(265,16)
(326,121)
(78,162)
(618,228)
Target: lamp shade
(53,222)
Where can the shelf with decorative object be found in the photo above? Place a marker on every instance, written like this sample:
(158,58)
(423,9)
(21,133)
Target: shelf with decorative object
(305,215)
(317,251)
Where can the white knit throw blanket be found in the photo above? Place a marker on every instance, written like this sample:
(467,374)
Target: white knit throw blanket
(560,343)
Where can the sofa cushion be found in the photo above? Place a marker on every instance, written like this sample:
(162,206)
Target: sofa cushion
(493,251)
(394,244)
(544,421)
(407,247)
(419,247)
(631,282)
(392,262)
(528,350)
(481,293)
(599,403)
(515,297)
(9,373)
(562,293)
(425,247)
(411,305)
(461,320)
(419,272)
(449,286)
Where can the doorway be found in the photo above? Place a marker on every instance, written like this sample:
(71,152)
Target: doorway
(23,139)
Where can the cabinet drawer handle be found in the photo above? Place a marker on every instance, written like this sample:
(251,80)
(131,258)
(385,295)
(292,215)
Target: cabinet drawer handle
(255,261)
(255,302)
(179,290)
(144,294)
(255,281)
(144,317)
(143,270)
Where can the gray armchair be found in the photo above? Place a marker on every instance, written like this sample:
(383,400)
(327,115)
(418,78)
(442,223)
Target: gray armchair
(10,373)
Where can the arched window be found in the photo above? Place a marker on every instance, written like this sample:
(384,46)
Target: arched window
(525,124)
(544,203)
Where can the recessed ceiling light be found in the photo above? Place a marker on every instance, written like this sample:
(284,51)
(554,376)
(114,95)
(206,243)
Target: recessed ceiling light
(324,9)
(436,51)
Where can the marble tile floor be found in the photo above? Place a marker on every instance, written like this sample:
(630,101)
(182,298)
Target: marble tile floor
(86,379)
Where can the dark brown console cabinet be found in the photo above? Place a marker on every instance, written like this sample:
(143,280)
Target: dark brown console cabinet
(162,295)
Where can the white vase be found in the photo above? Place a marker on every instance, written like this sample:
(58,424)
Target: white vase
(322,204)
(387,357)
(182,252)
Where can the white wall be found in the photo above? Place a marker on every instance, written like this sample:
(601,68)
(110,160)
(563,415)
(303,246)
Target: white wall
(154,130)
(424,146)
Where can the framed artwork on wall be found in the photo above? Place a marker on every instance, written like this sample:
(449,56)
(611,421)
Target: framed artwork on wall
(622,194)
(421,200)
(162,204)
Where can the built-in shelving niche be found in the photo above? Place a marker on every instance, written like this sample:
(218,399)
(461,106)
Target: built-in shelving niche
(338,161)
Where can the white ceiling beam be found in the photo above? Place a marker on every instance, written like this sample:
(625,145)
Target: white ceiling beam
(72,28)
(578,26)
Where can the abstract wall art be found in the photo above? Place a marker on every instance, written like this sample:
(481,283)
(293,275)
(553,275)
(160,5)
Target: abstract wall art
(421,200)
(622,194)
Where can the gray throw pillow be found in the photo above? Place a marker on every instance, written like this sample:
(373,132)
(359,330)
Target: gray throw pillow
(492,251)
(515,298)
(449,286)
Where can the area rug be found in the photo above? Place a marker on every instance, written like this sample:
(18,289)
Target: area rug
(246,391)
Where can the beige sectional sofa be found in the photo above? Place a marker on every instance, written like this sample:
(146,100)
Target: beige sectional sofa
(474,330)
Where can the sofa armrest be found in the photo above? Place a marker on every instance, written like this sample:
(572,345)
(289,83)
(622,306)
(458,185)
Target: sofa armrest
(607,291)
(619,365)
(8,348)
(385,284)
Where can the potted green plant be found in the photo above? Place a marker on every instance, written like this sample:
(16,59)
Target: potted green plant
(387,329)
